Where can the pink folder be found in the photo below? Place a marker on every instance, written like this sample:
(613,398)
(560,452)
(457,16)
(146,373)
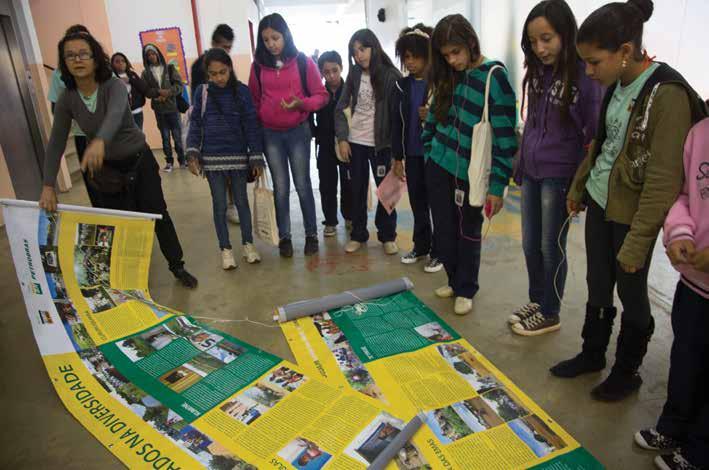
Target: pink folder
(390,191)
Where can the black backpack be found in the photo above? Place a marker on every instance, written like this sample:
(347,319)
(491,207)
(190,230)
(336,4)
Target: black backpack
(303,72)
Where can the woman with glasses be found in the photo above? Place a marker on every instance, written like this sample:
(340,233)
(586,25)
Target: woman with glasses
(121,168)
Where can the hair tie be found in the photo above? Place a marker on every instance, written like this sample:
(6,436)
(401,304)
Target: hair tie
(418,32)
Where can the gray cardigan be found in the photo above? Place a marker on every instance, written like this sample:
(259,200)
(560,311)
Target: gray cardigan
(382,107)
(112,122)
(170,80)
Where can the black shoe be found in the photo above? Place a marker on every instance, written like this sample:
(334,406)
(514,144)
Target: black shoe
(617,386)
(651,439)
(285,247)
(185,278)
(674,461)
(581,364)
(311,245)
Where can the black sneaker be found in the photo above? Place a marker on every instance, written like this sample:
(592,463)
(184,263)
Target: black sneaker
(674,461)
(185,278)
(311,245)
(650,439)
(537,324)
(285,247)
(412,257)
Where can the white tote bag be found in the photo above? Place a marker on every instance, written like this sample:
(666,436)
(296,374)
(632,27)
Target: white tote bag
(481,153)
(265,223)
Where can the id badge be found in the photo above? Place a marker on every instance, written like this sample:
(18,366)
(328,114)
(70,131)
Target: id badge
(459,197)
(381,171)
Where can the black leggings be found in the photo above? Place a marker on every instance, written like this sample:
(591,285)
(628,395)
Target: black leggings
(604,240)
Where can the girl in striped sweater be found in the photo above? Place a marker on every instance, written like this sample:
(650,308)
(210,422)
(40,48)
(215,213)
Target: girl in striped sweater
(225,144)
(459,73)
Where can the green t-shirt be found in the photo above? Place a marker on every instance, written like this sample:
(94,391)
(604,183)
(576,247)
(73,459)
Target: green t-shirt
(90,101)
(56,88)
(617,116)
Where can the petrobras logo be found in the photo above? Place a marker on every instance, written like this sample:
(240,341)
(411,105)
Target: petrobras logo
(35,287)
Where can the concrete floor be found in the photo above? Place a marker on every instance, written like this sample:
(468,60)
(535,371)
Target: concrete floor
(37,432)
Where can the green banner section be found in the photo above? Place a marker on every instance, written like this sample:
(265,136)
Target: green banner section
(579,459)
(187,366)
(387,326)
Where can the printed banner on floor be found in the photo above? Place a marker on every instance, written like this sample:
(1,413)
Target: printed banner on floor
(398,351)
(161,390)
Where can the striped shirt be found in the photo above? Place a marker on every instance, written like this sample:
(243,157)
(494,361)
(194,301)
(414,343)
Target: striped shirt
(449,144)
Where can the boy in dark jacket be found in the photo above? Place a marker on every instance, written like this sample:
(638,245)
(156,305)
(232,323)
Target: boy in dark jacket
(409,109)
(222,38)
(330,65)
(167,80)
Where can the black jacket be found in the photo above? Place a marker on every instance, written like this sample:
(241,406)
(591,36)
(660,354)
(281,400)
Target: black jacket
(197,74)
(139,90)
(400,117)
(325,121)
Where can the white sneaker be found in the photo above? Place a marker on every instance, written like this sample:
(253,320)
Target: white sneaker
(352,246)
(232,215)
(250,254)
(391,248)
(168,168)
(329,231)
(228,261)
(433,266)
(445,292)
(463,305)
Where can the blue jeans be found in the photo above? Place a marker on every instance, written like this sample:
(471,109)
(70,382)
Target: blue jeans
(284,147)
(169,123)
(543,214)
(218,181)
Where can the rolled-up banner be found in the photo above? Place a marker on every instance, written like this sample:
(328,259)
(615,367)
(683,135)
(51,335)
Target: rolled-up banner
(390,451)
(305,308)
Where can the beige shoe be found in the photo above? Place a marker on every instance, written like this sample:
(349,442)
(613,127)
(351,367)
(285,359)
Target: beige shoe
(463,305)
(250,254)
(228,261)
(352,246)
(391,248)
(445,292)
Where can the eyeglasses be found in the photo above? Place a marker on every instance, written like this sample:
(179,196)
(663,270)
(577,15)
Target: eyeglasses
(82,56)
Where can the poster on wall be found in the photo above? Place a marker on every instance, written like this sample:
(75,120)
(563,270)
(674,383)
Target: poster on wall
(169,41)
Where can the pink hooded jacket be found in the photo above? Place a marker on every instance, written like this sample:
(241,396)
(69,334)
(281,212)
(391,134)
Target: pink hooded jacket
(688,218)
(283,84)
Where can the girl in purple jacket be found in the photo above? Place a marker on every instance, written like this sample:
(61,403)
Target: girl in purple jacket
(562,110)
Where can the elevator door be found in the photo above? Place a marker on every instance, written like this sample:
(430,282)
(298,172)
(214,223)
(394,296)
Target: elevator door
(19,134)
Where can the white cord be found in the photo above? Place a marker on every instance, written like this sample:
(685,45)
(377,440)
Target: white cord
(226,320)
(563,259)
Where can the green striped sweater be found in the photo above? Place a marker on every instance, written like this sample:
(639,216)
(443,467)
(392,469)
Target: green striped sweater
(448,144)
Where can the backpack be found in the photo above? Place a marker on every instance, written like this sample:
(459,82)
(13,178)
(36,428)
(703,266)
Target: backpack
(303,73)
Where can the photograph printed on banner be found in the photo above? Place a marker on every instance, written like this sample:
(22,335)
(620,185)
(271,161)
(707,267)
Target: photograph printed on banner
(45,318)
(205,340)
(168,423)
(92,266)
(285,378)
(304,454)
(182,377)
(505,404)
(55,283)
(204,364)
(409,458)
(97,298)
(355,371)
(182,326)
(329,331)
(375,437)
(537,435)
(433,331)
(94,235)
(470,369)
(244,409)
(447,424)
(48,229)
(156,338)
(50,259)
(226,351)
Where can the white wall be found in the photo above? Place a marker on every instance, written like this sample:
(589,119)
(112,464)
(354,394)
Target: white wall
(675,34)
(395,20)
(127,18)
(235,13)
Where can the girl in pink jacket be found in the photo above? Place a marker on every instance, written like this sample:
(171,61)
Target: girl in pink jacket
(286,88)
(684,422)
